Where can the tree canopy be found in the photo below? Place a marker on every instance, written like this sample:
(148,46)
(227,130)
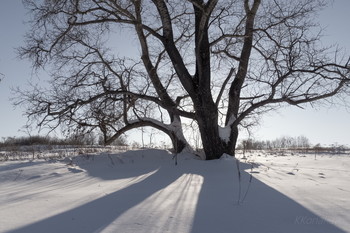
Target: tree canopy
(217,63)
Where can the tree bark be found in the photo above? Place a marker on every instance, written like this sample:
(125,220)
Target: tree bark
(213,146)
(178,144)
(205,108)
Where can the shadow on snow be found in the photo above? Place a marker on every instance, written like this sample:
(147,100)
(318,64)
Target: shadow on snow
(265,210)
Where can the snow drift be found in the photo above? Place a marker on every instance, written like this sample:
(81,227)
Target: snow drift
(144,191)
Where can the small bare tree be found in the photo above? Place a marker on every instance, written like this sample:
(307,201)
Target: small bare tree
(210,61)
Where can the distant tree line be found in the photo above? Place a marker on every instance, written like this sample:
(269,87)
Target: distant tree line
(76,139)
(32,140)
(284,142)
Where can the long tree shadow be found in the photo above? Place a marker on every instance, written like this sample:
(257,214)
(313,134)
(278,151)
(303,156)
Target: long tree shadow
(263,209)
(218,207)
(94,216)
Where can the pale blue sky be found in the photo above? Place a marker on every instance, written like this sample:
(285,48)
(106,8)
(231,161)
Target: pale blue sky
(324,125)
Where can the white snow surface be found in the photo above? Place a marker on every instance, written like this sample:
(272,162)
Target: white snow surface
(144,191)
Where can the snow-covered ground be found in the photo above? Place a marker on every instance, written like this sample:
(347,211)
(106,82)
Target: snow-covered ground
(144,191)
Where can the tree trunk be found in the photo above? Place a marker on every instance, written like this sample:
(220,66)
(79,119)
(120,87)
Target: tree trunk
(231,144)
(176,134)
(215,142)
(207,119)
(178,144)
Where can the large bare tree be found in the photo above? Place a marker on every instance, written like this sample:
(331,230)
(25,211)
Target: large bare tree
(218,63)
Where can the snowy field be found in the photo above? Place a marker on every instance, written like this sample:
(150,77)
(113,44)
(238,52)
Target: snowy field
(144,191)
